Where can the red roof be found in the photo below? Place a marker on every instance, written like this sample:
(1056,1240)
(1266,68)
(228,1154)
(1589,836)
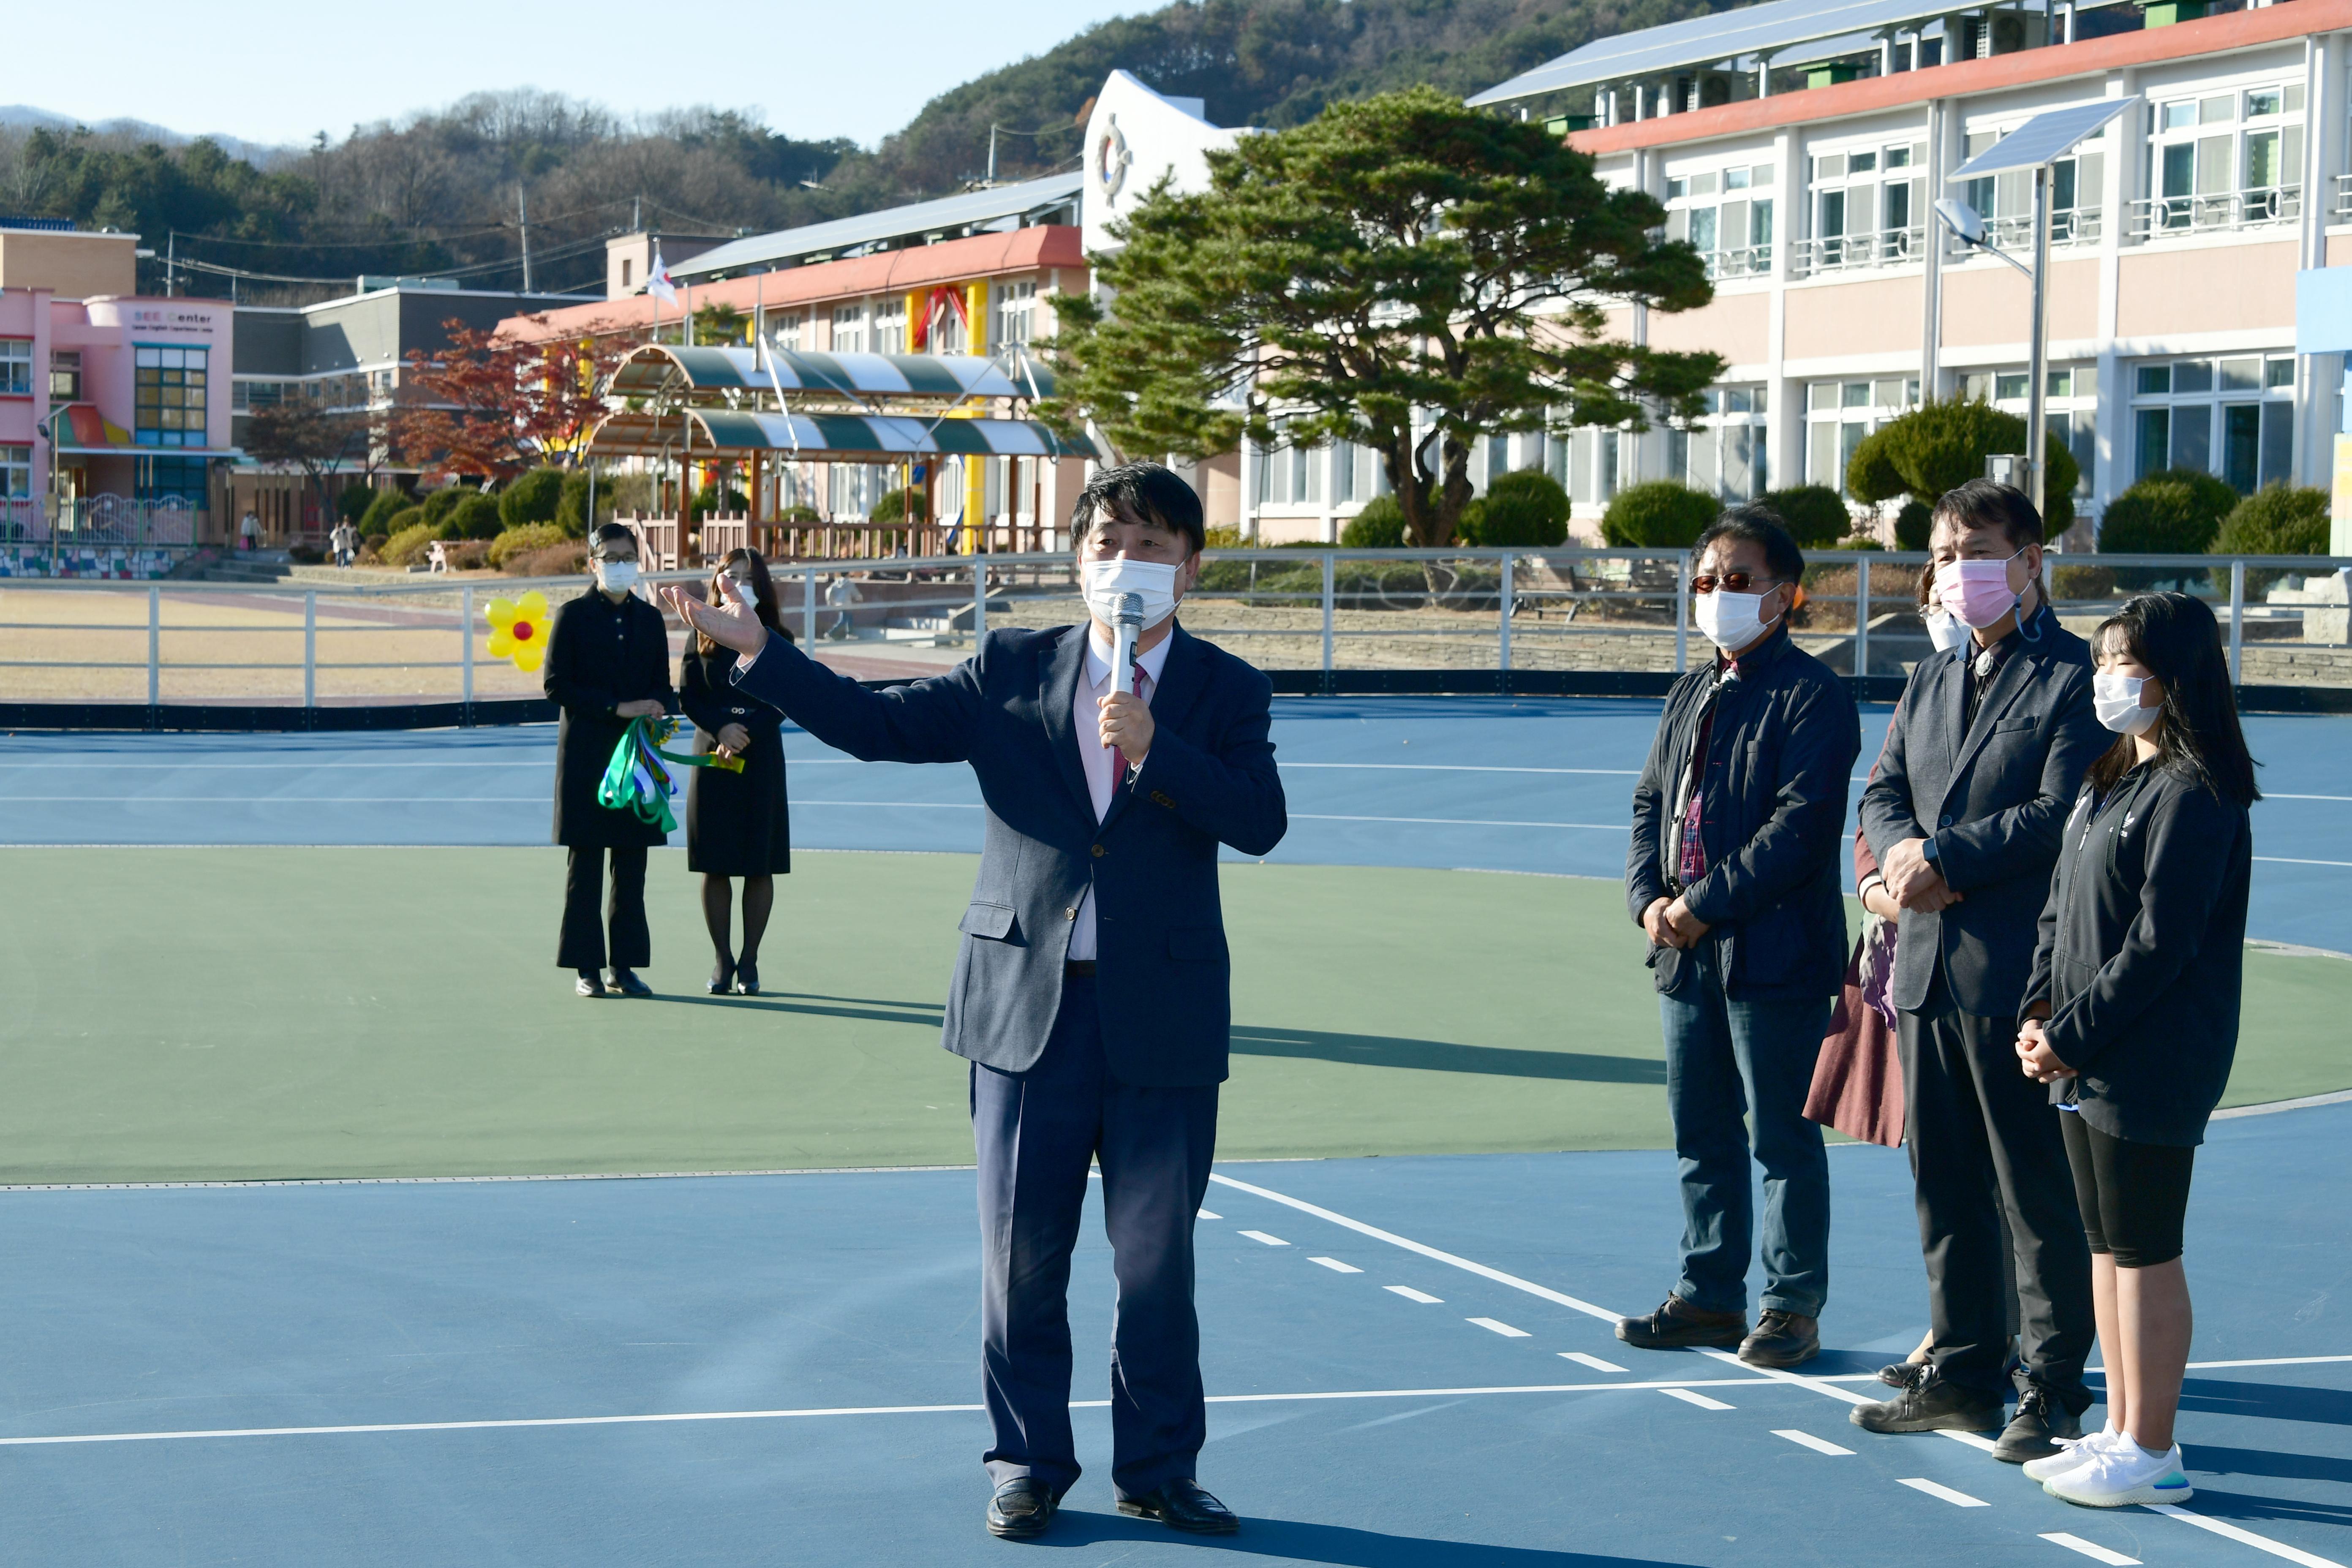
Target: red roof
(2094,57)
(887,271)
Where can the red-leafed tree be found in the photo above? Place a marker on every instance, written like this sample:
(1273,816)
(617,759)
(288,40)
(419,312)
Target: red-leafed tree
(495,406)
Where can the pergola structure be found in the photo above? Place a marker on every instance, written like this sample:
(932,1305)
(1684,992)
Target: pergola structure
(932,416)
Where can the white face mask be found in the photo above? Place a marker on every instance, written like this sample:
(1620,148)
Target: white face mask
(2115,699)
(1945,631)
(1107,580)
(1728,620)
(740,590)
(616,576)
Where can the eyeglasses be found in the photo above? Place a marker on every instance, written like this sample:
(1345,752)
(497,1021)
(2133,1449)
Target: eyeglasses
(1729,582)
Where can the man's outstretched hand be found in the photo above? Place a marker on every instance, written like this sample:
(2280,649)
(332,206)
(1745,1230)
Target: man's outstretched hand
(735,627)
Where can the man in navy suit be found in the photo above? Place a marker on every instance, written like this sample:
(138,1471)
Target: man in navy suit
(1092,991)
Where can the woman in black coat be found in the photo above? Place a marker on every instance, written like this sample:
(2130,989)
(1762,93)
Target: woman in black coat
(737,824)
(2132,1013)
(607,663)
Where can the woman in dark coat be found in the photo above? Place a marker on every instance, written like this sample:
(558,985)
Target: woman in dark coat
(737,824)
(607,663)
(2131,1015)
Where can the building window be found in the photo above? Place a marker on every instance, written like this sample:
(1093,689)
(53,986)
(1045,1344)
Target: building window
(1016,312)
(2226,160)
(65,375)
(890,327)
(1724,453)
(849,330)
(169,397)
(785,329)
(1839,414)
(172,478)
(947,333)
(2232,417)
(2070,404)
(16,367)
(1866,208)
(2006,201)
(245,394)
(1727,216)
(15,472)
(626,264)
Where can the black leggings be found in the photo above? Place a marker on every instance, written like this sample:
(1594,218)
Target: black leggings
(2134,1197)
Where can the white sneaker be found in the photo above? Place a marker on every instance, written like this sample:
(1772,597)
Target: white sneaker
(2124,1476)
(2075,1453)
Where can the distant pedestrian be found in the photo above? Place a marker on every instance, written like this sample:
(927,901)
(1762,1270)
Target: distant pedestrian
(2131,1015)
(1733,872)
(248,531)
(346,542)
(842,593)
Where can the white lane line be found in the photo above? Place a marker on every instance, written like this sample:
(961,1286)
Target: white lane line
(1807,1440)
(2292,860)
(1492,1326)
(2266,1360)
(1701,1400)
(2090,1549)
(1334,1266)
(1206,1214)
(1934,1488)
(1269,1240)
(1594,1361)
(2243,1537)
(1323,1397)
(1360,1228)
(1410,1294)
(2266,795)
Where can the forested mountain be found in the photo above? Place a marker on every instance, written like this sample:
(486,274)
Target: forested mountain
(439,193)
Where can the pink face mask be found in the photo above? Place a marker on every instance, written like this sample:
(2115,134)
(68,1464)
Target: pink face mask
(1976,592)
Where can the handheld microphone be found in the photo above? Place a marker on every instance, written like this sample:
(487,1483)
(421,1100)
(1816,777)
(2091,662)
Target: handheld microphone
(1128,624)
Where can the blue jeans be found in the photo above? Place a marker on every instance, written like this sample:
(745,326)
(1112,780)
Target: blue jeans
(1727,1059)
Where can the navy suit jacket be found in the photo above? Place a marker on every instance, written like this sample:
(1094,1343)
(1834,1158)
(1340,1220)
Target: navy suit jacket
(1163,972)
(1994,797)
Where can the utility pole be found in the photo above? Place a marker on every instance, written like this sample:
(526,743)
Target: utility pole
(991,152)
(171,254)
(637,216)
(522,221)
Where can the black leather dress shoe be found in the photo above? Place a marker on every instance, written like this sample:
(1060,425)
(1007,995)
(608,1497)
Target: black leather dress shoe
(1931,1405)
(2042,1426)
(1183,1505)
(626,983)
(1678,1324)
(1021,1509)
(590,984)
(1902,1373)
(1782,1339)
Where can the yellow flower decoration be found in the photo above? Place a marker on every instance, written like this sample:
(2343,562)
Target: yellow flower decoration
(519,630)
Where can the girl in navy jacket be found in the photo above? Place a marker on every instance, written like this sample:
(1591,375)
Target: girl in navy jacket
(2132,1013)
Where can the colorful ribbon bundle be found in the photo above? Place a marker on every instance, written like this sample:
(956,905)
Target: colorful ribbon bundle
(634,780)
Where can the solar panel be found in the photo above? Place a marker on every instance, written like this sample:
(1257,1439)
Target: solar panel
(2043,138)
(1769,27)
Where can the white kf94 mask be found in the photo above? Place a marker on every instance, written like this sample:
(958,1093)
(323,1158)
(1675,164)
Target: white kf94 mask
(1153,581)
(2115,699)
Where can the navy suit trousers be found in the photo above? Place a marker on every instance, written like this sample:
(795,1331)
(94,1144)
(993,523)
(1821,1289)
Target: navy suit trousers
(1037,1133)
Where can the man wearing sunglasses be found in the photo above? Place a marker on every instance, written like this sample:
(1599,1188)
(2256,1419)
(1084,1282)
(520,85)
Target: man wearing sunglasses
(1733,873)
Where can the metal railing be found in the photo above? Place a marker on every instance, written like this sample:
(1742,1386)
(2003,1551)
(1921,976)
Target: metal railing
(2158,218)
(2074,226)
(1740,261)
(101,521)
(1567,609)
(1882,247)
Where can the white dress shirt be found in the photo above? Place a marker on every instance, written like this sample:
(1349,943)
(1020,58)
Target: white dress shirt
(1096,757)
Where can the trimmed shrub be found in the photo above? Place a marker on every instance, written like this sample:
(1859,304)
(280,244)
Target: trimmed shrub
(2279,518)
(372,544)
(2082,582)
(1938,447)
(1526,508)
(352,504)
(387,504)
(524,540)
(531,497)
(710,498)
(1914,524)
(407,545)
(2173,512)
(443,501)
(568,559)
(1858,542)
(1380,526)
(467,555)
(1658,515)
(475,517)
(572,505)
(894,505)
(1813,512)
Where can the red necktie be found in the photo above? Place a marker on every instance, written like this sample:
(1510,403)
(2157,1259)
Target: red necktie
(1117,757)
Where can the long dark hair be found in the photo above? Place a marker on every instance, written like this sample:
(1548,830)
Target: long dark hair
(2176,639)
(764,596)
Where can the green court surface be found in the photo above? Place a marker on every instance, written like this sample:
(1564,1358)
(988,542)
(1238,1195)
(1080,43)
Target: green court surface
(226,1013)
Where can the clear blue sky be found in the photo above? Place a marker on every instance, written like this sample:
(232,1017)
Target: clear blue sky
(277,71)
